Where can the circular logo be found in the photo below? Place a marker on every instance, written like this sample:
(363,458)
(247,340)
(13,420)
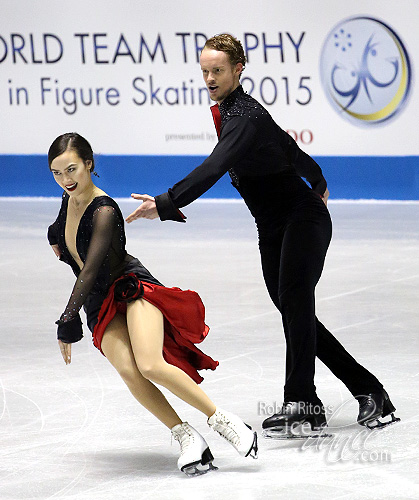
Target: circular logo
(365,70)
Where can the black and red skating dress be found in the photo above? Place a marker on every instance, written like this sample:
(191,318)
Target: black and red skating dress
(110,278)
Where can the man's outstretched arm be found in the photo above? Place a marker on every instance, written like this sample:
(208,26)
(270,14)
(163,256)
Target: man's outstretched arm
(236,140)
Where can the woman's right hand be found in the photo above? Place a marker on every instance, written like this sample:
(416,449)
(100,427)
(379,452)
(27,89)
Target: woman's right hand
(65,351)
(56,250)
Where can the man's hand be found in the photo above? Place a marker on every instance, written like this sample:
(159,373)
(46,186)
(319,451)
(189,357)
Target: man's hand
(147,209)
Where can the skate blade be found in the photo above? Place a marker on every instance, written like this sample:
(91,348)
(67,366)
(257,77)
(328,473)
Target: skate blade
(194,470)
(253,452)
(303,431)
(378,424)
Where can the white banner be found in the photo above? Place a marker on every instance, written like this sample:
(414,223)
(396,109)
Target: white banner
(337,75)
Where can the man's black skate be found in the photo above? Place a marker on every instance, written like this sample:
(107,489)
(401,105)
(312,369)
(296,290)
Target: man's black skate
(296,420)
(373,406)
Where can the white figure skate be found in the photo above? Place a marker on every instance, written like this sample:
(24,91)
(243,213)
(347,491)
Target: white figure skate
(236,432)
(195,456)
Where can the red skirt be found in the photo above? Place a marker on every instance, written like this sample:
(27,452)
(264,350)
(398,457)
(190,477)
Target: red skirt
(184,324)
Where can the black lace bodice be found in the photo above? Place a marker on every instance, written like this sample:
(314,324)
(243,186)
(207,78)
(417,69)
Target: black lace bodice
(100,244)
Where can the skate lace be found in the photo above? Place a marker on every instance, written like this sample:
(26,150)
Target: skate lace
(183,437)
(225,428)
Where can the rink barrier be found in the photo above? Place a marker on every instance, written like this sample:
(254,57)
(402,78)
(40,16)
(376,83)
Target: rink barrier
(348,177)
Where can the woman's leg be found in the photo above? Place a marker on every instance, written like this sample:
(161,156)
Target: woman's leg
(117,348)
(145,326)
(195,456)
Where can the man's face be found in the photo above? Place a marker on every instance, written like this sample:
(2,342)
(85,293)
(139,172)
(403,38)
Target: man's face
(220,77)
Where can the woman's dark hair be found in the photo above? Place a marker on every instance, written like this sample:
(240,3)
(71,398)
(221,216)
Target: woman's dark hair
(75,142)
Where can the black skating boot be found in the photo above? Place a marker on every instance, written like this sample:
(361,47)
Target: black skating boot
(373,406)
(296,419)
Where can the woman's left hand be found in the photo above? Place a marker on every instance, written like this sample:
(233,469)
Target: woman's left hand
(56,250)
(65,351)
(325,197)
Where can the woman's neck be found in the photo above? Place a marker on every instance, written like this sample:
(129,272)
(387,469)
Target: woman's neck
(86,197)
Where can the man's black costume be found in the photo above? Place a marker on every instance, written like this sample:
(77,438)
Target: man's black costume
(266,167)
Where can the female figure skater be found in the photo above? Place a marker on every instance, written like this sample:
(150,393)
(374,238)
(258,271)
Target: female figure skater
(145,330)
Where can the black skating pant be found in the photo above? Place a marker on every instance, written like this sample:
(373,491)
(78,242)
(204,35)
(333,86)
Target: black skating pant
(293,250)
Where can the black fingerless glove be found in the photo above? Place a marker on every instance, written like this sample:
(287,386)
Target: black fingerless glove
(70,331)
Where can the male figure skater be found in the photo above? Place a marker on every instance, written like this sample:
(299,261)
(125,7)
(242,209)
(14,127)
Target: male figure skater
(266,167)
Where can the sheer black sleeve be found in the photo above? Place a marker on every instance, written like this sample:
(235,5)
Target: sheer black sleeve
(237,138)
(104,225)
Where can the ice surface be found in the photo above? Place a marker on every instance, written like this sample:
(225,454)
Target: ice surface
(75,432)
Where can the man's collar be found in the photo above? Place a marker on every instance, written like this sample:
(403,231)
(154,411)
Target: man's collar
(230,98)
